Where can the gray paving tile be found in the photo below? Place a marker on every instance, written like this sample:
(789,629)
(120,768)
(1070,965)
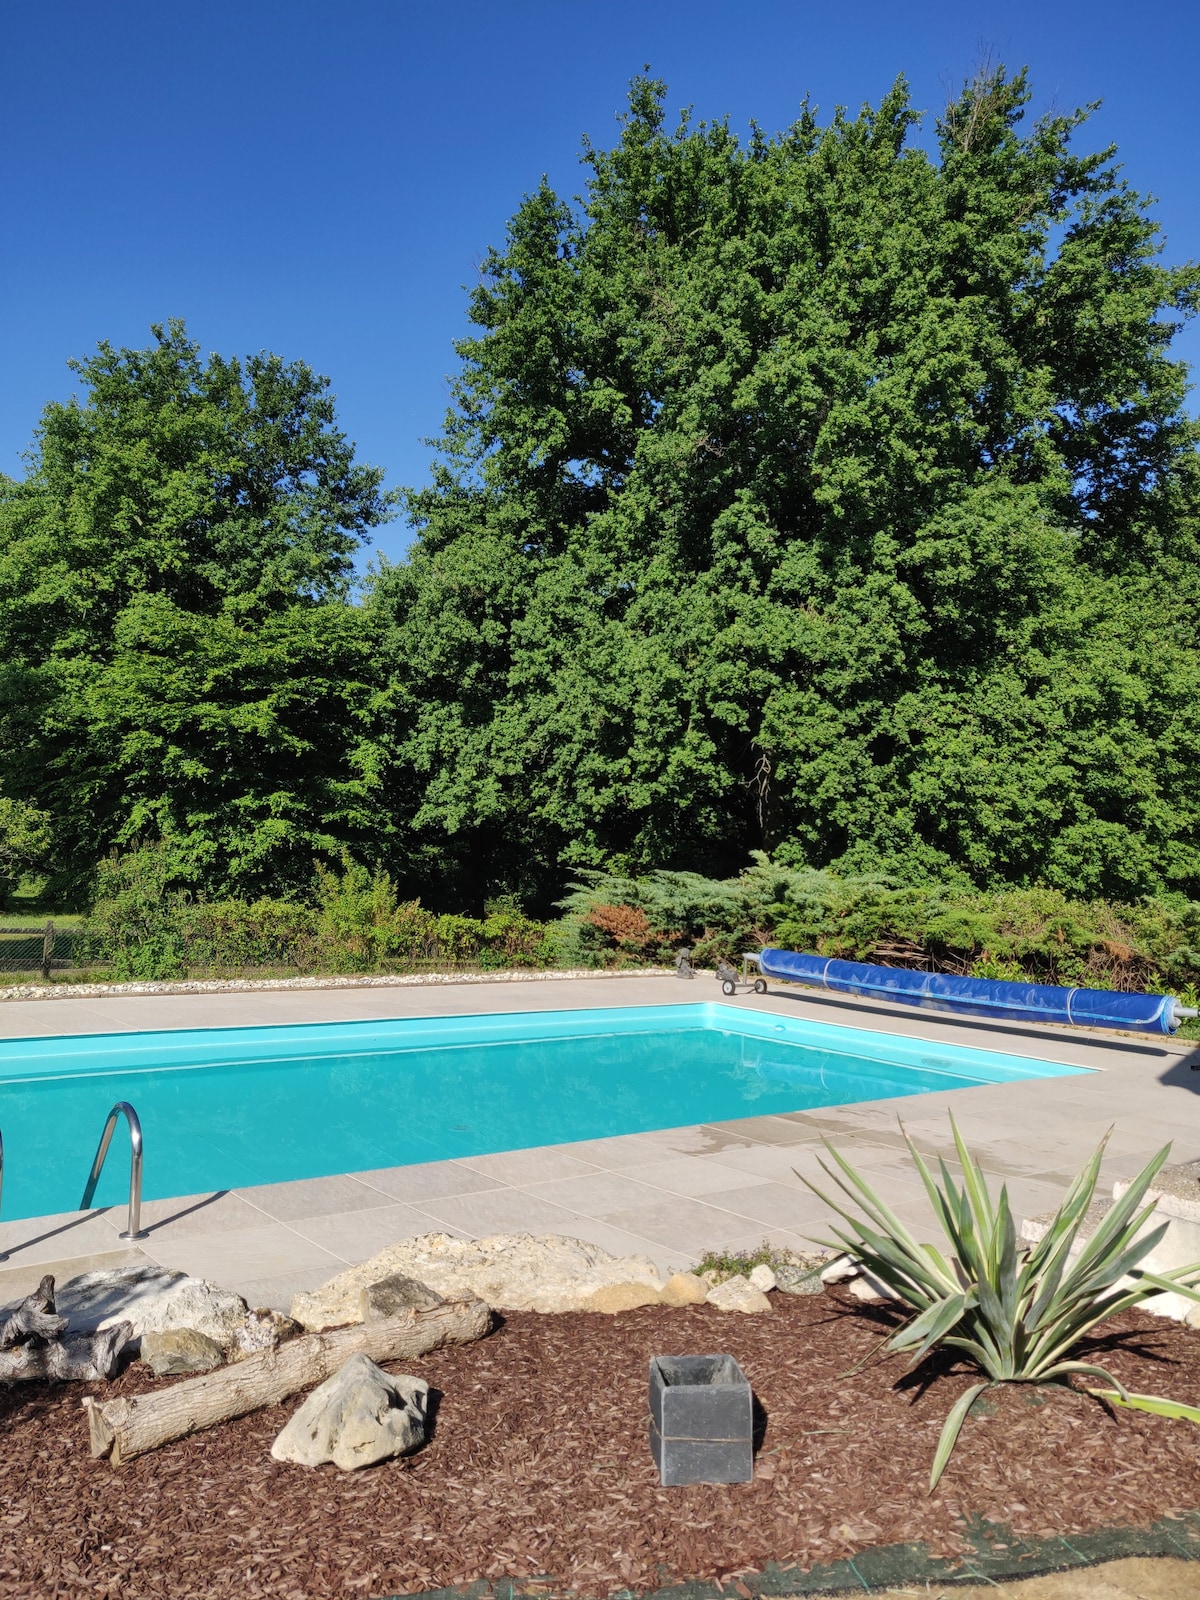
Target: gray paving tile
(761,1130)
(698,1176)
(619,1242)
(249,1254)
(527,1166)
(628,1149)
(1030,1159)
(192,1215)
(597,1193)
(358,1235)
(66,1234)
(762,1162)
(679,1224)
(704,1139)
(427,1179)
(772,1203)
(777,1238)
(277,1292)
(17,1282)
(496,1211)
(310,1197)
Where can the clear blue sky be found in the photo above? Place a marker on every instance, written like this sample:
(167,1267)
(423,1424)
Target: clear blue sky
(321,179)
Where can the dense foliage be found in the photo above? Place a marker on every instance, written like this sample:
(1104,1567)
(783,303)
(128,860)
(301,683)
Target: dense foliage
(828,495)
(178,657)
(353,922)
(1009,933)
(820,491)
(24,843)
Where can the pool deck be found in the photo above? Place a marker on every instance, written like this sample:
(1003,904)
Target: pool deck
(671,1195)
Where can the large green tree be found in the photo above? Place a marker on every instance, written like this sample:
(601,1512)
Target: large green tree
(823,492)
(178,658)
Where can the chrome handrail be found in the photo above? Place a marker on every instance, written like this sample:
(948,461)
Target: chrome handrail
(133,1228)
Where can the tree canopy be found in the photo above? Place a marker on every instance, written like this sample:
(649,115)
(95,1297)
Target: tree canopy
(178,660)
(822,493)
(829,493)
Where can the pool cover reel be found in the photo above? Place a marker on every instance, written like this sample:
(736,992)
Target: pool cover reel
(978,997)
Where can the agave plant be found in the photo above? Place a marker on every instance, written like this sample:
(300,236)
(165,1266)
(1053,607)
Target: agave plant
(1017,1313)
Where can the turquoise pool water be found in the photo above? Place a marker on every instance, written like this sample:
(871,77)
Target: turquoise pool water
(223,1108)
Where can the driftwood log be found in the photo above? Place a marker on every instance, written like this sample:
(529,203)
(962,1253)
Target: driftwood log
(127,1427)
(35,1343)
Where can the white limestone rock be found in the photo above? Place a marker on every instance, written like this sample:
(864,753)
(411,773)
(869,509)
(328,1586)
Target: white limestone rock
(358,1417)
(152,1299)
(763,1277)
(511,1271)
(866,1286)
(1175,1195)
(1176,1189)
(738,1294)
(840,1271)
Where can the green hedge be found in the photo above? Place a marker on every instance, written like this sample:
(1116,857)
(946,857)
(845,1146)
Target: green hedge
(141,927)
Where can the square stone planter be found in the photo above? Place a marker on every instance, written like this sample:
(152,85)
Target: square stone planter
(701,1420)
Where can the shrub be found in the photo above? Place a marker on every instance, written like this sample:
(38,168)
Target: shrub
(627,926)
(1019,1316)
(1039,934)
(145,928)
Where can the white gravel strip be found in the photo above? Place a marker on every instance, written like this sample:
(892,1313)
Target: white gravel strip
(78,991)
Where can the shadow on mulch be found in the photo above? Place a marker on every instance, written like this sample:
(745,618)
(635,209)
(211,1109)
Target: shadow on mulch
(538,1474)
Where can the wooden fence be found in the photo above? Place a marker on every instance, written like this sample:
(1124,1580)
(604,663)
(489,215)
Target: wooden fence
(43,950)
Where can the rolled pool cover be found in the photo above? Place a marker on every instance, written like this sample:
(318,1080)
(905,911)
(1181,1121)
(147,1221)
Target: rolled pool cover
(979,997)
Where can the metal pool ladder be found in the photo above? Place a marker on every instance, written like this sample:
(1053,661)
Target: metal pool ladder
(3,1253)
(133,1227)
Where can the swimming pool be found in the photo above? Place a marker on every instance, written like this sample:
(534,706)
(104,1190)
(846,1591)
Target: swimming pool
(225,1108)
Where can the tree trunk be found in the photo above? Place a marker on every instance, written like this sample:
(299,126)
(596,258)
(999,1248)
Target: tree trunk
(127,1427)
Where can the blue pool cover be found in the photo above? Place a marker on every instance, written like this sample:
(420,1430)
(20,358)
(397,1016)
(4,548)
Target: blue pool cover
(978,997)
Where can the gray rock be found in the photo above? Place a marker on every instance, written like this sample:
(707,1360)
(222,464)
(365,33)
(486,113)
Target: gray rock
(359,1416)
(796,1280)
(176,1350)
(392,1296)
(263,1329)
(152,1299)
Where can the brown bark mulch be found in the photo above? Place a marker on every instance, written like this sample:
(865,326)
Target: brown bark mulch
(539,1466)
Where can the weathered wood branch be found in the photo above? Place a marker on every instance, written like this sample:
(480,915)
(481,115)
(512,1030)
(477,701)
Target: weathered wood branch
(34,1318)
(34,1343)
(130,1426)
(86,1358)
